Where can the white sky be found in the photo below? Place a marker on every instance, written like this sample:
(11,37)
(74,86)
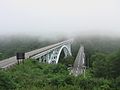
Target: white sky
(60,17)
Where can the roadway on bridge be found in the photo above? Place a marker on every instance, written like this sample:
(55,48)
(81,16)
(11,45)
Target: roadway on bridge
(79,62)
(12,60)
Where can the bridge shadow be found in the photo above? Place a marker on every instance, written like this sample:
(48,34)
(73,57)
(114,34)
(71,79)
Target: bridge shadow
(62,57)
(68,61)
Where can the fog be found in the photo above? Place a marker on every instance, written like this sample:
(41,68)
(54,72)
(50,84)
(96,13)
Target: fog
(51,18)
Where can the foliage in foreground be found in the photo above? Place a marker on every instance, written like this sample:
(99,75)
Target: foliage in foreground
(106,65)
(37,76)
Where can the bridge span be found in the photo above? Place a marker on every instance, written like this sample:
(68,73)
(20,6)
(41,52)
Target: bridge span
(79,64)
(48,54)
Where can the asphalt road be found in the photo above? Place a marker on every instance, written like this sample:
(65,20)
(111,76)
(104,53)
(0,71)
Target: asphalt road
(12,60)
(78,66)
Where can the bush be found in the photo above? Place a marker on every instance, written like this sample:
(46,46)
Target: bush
(116,83)
(6,82)
(94,83)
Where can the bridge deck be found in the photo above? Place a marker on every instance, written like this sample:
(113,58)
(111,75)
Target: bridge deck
(12,60)
(78,64)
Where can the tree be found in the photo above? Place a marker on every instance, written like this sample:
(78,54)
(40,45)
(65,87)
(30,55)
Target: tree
(6,82)
(115,64)
(68,61)
(99,65)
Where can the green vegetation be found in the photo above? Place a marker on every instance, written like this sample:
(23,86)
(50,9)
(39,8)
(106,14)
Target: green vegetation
(34,75)
(9,46)
(103,72)
(38,76)
(68,61)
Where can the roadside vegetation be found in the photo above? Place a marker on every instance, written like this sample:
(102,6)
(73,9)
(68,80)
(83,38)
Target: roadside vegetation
(102,61)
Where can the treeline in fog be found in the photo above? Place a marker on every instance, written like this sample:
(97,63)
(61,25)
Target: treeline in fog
(10,45)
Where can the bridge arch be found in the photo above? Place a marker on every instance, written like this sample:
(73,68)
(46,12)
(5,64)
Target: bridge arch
(52,53)
(67,52)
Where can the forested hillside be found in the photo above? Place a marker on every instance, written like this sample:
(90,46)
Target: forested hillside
(102,61)
(10,45)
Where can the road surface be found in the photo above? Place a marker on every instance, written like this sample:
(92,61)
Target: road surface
(79,66)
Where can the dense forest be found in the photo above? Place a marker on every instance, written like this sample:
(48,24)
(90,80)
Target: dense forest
(10,45)
(102,62)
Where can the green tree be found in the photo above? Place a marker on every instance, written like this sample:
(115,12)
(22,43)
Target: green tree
(68,61)
(100,65)
(6,82)
(115,64)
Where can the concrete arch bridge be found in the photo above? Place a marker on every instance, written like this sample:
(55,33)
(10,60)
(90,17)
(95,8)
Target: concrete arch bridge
(48,54)
(52,54)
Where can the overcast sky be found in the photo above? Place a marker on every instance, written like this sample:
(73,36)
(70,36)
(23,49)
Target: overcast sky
(60,17)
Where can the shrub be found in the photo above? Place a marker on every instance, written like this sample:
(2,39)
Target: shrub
(6,82)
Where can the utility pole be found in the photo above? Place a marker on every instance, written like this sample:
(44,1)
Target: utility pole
(84,68)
